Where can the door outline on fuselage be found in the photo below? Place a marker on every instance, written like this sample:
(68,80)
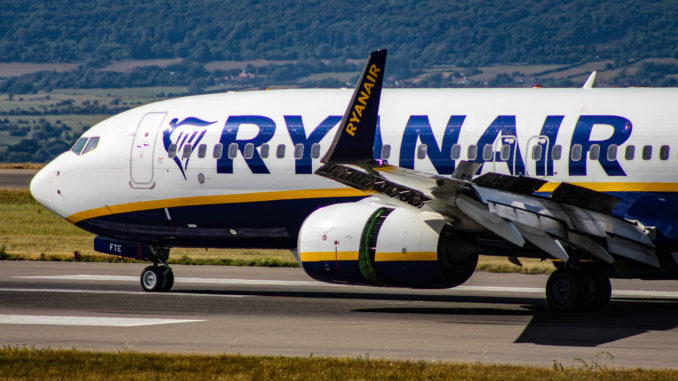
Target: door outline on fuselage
(142,151)
(542,141)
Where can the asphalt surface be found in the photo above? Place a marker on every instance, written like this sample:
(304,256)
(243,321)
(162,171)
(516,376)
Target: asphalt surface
(16,178)
(493,318)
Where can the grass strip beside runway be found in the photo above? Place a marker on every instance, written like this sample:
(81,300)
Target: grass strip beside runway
(48,364)
(28,231)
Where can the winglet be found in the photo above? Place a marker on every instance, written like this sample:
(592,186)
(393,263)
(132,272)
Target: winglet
(589,82)
(354,141)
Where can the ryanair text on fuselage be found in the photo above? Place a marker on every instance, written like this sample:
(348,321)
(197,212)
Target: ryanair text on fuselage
(418,129)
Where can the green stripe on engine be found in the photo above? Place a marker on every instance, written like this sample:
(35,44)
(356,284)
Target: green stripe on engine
(365,254)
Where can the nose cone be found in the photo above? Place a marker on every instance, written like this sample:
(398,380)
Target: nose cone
(40,187)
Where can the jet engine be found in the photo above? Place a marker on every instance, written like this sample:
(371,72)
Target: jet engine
(371,243)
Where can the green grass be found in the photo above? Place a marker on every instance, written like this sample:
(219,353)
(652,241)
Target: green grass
(48,364)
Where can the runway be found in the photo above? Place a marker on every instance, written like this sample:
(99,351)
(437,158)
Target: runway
(492,318)
(16,178)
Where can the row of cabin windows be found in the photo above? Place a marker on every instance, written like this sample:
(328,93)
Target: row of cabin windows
(611,154)
(487,153)
(248,151)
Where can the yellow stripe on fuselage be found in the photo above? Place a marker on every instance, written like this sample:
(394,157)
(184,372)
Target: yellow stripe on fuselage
(216,199)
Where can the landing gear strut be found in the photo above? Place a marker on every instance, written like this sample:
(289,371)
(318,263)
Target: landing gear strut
(158,278)
(570,290)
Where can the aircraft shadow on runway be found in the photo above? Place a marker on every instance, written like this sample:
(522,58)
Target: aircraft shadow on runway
(622,318)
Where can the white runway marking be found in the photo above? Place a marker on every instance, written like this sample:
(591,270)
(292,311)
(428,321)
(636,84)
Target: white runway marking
(122,278)
(268,282)
(93,321)
(104,292)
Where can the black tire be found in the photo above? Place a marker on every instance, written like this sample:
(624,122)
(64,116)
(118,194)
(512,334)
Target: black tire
(168,276)
(599,290)
(152,279)
(566,290)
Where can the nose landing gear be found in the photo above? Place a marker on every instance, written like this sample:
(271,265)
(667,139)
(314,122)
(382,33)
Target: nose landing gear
(157,278)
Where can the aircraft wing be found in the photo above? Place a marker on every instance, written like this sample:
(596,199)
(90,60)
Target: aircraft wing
(571,221)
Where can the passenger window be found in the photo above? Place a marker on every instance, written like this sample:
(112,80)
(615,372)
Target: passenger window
(386,151)
(315,150)
(232,150)
(663,152)
(263,151)
(172,151)
(79,145)
(472,152)
(594,152)
(487,152)
(576,152)
(218,150)
(557,152)
(249,150)
(630,152)
(92,144)
(647,152)
(188,149)
(280,151)
(506,152)
(298,151)
(456,152)
(202,150)
(421,151)
(536,152)
(612,152)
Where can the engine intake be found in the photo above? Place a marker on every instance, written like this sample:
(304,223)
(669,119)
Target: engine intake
(370,243)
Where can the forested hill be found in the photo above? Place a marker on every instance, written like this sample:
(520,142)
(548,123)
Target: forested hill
(419,34)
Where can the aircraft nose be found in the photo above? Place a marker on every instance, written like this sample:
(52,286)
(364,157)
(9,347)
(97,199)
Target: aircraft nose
(40,187)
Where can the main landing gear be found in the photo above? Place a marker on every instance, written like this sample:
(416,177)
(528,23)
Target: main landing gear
(159,277)
(571,290)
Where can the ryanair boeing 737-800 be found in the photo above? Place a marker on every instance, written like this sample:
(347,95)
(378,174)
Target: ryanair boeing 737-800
(402,188)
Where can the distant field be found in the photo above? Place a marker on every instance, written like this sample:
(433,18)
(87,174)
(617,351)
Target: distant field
(127,65)
(125,92)
(341,76)
(230,65)
(13,69)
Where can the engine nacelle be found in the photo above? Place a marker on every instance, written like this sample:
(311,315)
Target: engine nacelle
(370,243)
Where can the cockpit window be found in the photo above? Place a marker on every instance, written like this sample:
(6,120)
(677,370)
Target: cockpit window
(79,145)
(91,144)
(84,145)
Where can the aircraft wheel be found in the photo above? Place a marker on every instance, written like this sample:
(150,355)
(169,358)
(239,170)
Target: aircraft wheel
(598,290)
(168,275)
(566,290)
(152,279)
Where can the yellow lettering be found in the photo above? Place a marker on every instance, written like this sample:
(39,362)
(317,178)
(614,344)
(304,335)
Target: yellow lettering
(370,78)
(350,129)
(354,118)
(363,98)
(374,70)
(359,109)
(368,87)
